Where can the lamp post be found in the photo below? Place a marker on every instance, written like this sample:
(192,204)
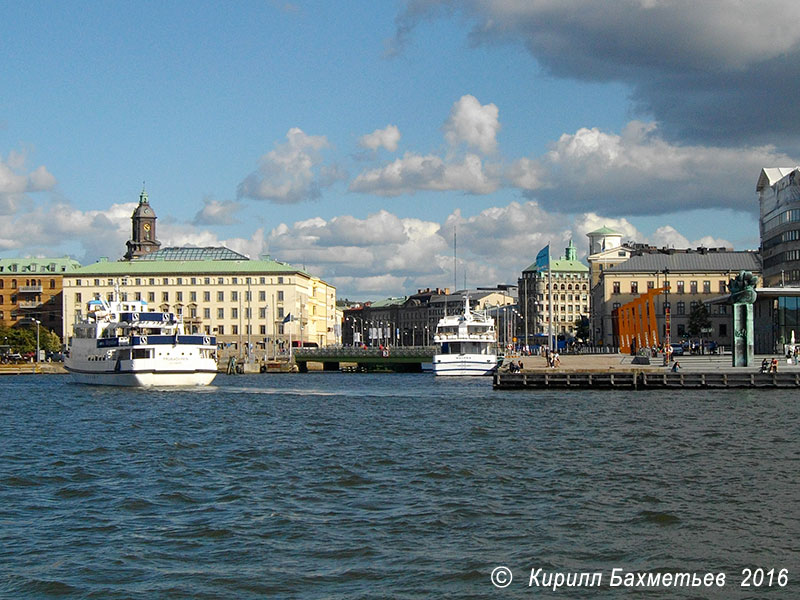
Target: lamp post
(667,347)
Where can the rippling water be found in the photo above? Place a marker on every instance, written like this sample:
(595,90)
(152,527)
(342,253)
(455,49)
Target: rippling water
(332,485)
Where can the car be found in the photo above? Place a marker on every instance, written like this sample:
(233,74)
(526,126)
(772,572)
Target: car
(677,349)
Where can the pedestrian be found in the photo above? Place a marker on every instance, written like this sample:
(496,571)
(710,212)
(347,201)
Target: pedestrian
(764,365)
(676,366)
(774,366)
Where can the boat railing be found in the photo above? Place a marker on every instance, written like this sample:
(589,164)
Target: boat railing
(489,337)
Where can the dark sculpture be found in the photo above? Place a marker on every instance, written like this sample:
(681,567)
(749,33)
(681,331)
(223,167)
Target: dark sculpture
(743,288)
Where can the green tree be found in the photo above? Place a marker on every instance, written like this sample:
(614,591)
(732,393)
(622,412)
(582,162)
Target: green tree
(698,320)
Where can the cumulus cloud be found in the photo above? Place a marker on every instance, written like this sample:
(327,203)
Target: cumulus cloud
(215,212)
(416,172)
(639,172)
(387,138)
(293,172)
(684,60)
(472,124)
(16,182)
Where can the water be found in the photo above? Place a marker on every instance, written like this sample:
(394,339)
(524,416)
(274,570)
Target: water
(332,485)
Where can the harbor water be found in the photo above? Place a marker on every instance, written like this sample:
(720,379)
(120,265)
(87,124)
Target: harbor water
(332,485)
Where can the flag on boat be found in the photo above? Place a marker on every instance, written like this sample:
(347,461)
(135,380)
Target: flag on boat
(543,258)
(288,318)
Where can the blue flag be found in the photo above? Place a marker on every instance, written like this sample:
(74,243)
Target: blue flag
(543,258)
(288,318)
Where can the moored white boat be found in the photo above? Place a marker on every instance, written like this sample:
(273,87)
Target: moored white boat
(124,344)
(467,344)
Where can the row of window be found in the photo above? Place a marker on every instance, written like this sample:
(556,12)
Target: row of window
(569,297)
(680,307)
(781,257)
(680,287)
(246,296)
(138,281)
(787,236)
(541,308)
(787,216)
(28,283)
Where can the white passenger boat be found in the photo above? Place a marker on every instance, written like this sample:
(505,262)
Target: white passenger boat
(122,343)
(467,344)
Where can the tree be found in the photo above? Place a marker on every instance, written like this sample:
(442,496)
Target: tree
(698,320)
(583,330)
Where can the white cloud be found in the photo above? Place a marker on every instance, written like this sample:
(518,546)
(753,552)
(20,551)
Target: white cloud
(472,124)
(415,172)
(215,212)
(16,183)
(292,172)
(639,172)
(387,137)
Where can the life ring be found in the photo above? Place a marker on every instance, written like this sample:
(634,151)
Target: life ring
(166,317)
(206,340)
(385,354)
(143,339)
(135,316)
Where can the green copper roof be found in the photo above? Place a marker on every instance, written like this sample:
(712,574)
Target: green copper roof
(38,265)
(170,263)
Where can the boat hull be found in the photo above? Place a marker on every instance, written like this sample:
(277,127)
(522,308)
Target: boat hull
(143,378)
(464,364)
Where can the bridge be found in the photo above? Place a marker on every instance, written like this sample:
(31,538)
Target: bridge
(405,359)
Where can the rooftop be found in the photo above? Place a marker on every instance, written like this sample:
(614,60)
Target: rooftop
(38,265)
(690,261)
(191,253)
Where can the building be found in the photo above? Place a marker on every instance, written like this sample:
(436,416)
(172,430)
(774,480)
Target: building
(250,305)
(692,277)
(570,295)
(779,224)
(31,288)
(411,320)
(605,250)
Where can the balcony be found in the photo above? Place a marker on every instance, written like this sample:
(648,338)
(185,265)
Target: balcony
(28,304)
(30,289)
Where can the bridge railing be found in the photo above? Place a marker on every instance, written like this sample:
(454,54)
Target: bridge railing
(355,352)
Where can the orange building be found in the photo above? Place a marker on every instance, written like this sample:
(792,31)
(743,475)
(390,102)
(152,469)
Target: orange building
(31,288)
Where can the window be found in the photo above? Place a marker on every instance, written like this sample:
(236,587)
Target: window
(280,295)
(262,296)
(693,306)
(234,296)
(207,280)
(615,289)
(165,296)
(234,280)
(206,313)
(151,281)
(706,287)
(52,284)
(651,285)
(681,329)
(723,288)
(193,296)
(206,296)
(723,330)
(235,330)
(221,330)
(280,279)
(680,287)
(151,296)
(692,287)
(681,308)
(248,296)
(634,287)
(165,281)
(262,329)
(220,280)
(179,281)
(1,300)
(280,314)
(179,296)
(220,313)
(234,313)
(262,313)
(78,298)
(220,296)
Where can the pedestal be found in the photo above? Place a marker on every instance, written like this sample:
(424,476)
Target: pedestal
(743,335)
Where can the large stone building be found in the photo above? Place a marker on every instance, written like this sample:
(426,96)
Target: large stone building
(31,288)
(248,304)
(693,277)
(779,223)
(570,296)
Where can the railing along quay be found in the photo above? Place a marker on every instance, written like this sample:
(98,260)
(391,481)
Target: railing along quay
(401,358)
(644,380)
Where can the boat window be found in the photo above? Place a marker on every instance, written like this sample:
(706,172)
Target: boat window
(142,352)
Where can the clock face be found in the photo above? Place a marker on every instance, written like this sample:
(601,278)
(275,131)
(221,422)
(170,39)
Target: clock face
(147,226)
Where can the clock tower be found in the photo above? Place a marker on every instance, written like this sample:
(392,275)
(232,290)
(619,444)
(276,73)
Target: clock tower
(143,238)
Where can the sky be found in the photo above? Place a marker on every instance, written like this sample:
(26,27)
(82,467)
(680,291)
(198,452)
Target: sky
(392,146)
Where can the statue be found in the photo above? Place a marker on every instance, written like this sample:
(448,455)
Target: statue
(743,288)
(743,295)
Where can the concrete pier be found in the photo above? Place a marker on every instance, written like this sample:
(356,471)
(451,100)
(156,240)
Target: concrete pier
(619,372)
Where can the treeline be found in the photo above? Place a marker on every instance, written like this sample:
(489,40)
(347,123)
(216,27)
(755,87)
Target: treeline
(22,339)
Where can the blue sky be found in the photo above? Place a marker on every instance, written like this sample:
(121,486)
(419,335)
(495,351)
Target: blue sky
(353,138)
